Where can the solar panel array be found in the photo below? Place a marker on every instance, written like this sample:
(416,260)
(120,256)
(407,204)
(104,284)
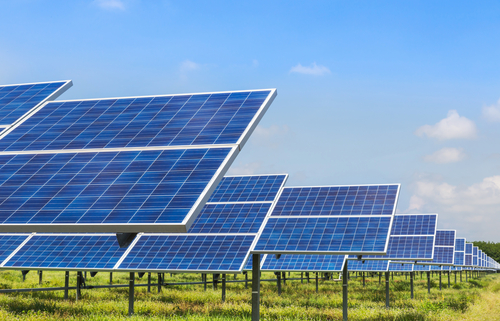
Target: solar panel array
(368,265)
(444,248)
(330,220)
(218,241)
(400,267)
(140,164)
(412,238)
(459,251)
(17,101)
(304,263)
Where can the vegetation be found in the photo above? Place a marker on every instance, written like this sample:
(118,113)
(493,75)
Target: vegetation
(490,248)
(477,299)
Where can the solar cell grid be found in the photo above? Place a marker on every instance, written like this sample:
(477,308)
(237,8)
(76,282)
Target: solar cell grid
(445,237)
(188,253)
(10,242)
(417,224)
(193,119)
(153,186)
(468,248)
(303,263)
(399,267)
(368,265)
(17,100)
(459,258)
(64,251)
(255,188)
(337,200)
(460,244)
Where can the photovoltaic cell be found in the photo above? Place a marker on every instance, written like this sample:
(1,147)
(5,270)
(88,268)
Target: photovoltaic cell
(155,186)
(188,253)
(255,188)
(303,263)
(368,265)
(230,218)
(10,242)
(468,248)
(459,251)
(65,251)
(445,238)
(398,267)
(17,100)
(324,235)
(337,200)
(417,267)
(412,238)
(198,119)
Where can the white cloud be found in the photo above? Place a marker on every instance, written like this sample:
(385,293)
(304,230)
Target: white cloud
(314,69)
(453,126)
(186,67)
(472,210)
(271,137)
(446,155)
(492,113)
(110,4)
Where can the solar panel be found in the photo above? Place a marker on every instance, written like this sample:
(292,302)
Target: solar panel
(459,251)
(445,237)
(468,254)
(9,243)
(17,101)
(474,256)
(400,267)
(67,252)
(479,258)
(248,188)
(368,265)
(303,263)
(330,220)
(152,161)
(196,251)
(444,249)
(412,238)
(423,268)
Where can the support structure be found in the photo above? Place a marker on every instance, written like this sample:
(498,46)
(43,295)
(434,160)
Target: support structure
(66,285)
(429,282)
(387,289)
(449,279)
(223,287)
(345,277)
(317,286)
(149,282)
(412,275)
(160,281)
(363,273)
(110,277)
(40,275)
(278,282)
(255,287)
(440,284)
(131,288)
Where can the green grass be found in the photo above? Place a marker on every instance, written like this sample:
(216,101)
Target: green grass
(297,302)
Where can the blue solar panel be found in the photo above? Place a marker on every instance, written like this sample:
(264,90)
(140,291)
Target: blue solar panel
(337,200)
(155,186)
(412,238)
(468,248)
(468,259)
(443,255)
(459,258)
(304,263)
(68,252)
(255,188)
(460,244)
(417,267)
(17,100)
(415,224)
(368,265)
(334,235)
(231,218)
(188,253)
(198,119)
(459,251)
(445,237)
(10,242)
(399,267)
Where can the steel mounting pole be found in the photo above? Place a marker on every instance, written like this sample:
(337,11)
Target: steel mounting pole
(255,287)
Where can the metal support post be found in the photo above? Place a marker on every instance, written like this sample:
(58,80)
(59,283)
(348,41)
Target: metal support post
(246,280)
(449,279)
(278,282)
(387,289)
(131,287)
(204,281)
(466,277)
(379,278)
(149,282)
(455,277)
(160,281)
(66,285)
(215,279)
(307,276)
(429,282)
(110,277)
(345,277)
(460,276)
(79,277)
(411,283)
(317,288)
(255,287)
(440,285)
(363,273)
(223,287)
(301,277)
(40,274)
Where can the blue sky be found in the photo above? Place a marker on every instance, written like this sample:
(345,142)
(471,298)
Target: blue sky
(368,92)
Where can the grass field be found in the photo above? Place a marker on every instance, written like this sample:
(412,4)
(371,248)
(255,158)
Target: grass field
(478,299)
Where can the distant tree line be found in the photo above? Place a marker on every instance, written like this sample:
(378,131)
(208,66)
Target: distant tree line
(490,248)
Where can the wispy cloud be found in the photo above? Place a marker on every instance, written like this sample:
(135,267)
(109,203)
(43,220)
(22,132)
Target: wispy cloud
(271,137)
(453,126)
(246,169)
(492,113)
(471,209)
(186,67)
(314,69)
(446,155)
(110,4)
